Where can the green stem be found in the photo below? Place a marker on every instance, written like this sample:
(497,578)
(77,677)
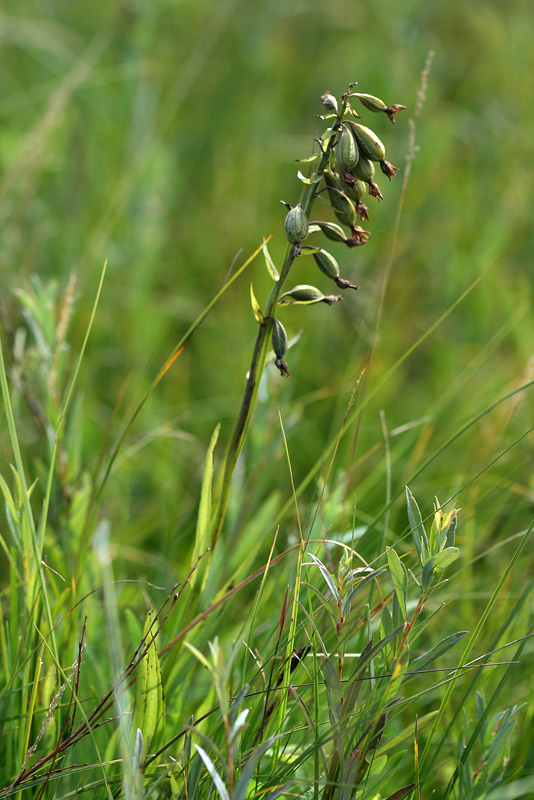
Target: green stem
(258,359)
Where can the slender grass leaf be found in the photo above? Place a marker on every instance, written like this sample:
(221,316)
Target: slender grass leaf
(424,660)
(216,778)
(333,691)
(202,535)
(149,700)
(326,575)
(400,793)
(399,578)
(238,725)
(325,603)
(248,770)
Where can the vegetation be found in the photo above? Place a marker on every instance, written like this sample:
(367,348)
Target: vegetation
(307,619)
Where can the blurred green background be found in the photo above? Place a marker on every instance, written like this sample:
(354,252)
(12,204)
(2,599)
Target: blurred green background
(162,136)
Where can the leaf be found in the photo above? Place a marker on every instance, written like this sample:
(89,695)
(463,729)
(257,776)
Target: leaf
(248,770)
(308,160)
(400,793)
(201,657)
(216,778)
(149,700)
(202,535)
(423,661)
(438,563)
(326,575)
(418,531)
(238,725)
(304,179)
(407,734)
(271,269)
(256,307)
(333,692)
(399,578)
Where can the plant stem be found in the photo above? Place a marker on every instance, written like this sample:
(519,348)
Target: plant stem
(258,358)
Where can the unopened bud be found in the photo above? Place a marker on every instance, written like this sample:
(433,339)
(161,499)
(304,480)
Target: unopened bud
(296,225)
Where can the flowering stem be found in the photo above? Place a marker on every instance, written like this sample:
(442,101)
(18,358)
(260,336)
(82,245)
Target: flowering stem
(258,359)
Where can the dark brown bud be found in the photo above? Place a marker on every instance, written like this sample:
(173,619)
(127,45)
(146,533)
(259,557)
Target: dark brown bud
(359,237)
(362,211)
(282,366)
(392,110)
(374,191)
(388,169)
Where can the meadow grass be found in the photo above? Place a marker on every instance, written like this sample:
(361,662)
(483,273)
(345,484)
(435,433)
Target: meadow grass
(145,152)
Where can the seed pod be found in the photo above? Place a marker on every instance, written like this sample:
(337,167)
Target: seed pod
(364,169)
(331,230)
(328,264)
(279,339)
(301,295)
(296,225)
(356,189)
(368,142)
(370,102)
(346,150)
(329,102)
(343,207)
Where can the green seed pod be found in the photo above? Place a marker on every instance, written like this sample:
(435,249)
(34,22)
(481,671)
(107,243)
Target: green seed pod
(331,230)
(356,189)
(368,142)
(342,205)
(279,339)
(296,225)
(346,150)
(370,102)
(327,264)
(364,169)
(301,294)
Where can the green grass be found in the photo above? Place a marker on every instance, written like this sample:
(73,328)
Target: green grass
(160,138)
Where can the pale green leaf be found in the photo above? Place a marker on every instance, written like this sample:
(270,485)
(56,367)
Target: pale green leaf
(271,269)
(202,535)
(256,306)
(149,701)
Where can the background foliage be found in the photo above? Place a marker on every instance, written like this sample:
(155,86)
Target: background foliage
(162,136)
